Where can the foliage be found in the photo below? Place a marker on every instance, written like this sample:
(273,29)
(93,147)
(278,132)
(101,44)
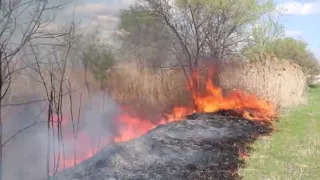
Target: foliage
(287,48)
(145,36)
(192,29)
(136,18)
(268,37)
(98,60)
(98,57)
(262,36)
(237,12)
(213,28)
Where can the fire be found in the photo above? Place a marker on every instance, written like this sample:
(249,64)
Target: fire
(212,100)
(131,127)
(246,105)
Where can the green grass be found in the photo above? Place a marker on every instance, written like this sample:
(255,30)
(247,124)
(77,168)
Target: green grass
(292,152)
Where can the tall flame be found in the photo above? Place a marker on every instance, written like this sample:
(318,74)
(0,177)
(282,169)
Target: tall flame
(246,105)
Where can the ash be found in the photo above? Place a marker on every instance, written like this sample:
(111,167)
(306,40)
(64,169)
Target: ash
(203,146)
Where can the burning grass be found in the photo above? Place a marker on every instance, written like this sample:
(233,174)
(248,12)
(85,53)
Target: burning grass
(281,82)
(212,100)
(146,90)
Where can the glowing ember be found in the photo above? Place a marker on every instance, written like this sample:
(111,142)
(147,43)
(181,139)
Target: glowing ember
(129,127)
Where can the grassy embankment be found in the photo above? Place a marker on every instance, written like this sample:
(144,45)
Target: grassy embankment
(293,151)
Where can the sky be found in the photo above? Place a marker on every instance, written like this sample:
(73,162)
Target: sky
(301,18)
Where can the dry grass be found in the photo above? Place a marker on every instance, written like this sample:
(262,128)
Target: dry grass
(157,91)
(27,90)
(144,89)
(281,82)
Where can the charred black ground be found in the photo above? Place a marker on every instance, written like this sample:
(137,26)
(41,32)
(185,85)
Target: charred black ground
(203,146)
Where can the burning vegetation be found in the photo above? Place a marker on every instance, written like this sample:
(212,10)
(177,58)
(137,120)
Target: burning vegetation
(236,106)
(203,146)
(213,100)
(154,39)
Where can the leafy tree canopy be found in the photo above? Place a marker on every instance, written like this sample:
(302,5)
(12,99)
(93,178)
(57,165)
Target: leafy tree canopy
(97,56)
(290,49)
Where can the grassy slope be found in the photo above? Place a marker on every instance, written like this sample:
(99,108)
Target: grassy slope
(293,152)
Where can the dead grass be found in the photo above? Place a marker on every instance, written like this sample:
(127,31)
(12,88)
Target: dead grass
(28,90)
(155,92)
(144,89)
(279,81)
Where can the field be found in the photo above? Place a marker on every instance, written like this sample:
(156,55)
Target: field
(293,150)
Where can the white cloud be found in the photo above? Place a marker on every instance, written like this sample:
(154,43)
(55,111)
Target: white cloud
(293,33)
(298,8)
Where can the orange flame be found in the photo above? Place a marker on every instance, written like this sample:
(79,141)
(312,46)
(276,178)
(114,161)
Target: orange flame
(213,100)
(247,105)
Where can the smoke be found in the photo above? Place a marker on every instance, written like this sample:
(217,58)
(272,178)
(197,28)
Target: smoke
(23,151)
(99,116)
(25,155)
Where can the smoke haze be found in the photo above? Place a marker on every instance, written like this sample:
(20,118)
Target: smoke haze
(25,154)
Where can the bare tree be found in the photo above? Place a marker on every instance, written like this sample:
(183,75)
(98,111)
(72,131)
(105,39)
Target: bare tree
(75,124)
(21,22)
(98,57)
(199,29)
(54,87)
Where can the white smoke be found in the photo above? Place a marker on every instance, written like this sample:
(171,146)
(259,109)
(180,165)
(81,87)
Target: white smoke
(25,155)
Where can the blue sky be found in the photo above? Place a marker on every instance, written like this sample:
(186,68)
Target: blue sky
(301,18)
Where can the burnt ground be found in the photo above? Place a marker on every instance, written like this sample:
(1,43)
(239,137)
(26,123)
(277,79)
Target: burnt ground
(203,146)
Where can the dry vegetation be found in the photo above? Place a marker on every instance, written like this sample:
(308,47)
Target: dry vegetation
(144,88)
(156,91)
(88,64)
(281,82)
